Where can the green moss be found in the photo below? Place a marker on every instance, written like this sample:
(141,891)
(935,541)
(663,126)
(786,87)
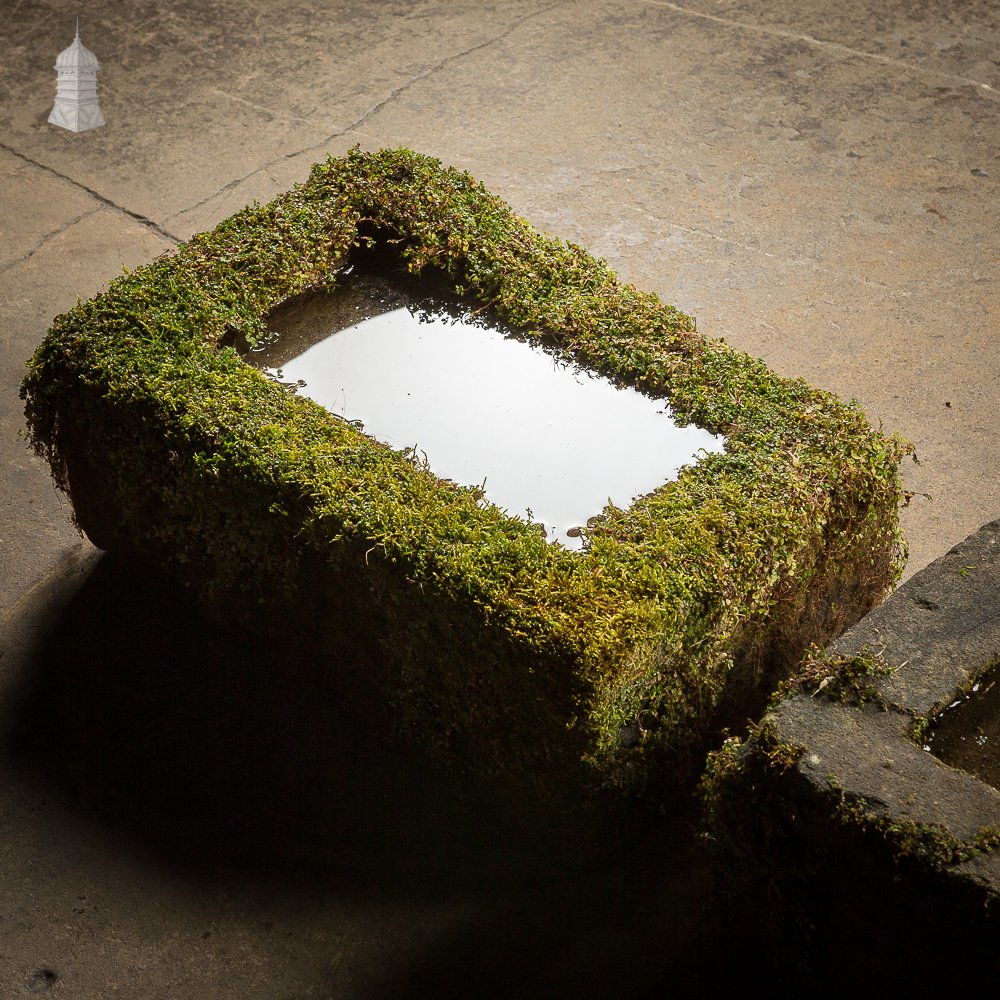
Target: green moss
(502,645)
(927,843)
(845,679)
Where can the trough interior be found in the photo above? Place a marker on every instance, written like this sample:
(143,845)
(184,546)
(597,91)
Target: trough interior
(499,410)
(967,734)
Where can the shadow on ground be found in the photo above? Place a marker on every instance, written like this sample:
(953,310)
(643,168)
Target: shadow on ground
(228,753)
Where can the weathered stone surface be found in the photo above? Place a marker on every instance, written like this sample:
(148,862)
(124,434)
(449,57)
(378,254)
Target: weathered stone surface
(886,834)
(941,629)
(937,632)
(868,753)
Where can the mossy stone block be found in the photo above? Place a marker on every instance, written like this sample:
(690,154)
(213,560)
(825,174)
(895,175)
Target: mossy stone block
(608,668)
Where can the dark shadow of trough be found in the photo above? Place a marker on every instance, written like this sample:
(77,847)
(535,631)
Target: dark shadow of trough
(221,745)
(234,757)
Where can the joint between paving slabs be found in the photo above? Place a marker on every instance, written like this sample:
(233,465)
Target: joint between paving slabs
(148,223)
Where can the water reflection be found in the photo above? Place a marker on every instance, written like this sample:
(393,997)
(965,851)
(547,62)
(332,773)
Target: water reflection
(545,439)
(967,733)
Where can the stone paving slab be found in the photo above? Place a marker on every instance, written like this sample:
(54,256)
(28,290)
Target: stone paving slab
(961,41)
(268,79)
(54,206)
(941,630)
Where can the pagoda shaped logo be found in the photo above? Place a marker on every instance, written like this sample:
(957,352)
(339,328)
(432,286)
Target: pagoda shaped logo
(76,105)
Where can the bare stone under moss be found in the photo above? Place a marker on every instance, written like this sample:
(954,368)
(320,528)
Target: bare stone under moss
(610,668)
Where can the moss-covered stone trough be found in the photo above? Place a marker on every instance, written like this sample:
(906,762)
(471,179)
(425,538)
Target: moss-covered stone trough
(607,668)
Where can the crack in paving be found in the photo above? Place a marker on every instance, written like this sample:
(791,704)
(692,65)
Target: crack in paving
(397,92)
(45,239)
(228,186)
(821,43)
(136,216)
(393,95)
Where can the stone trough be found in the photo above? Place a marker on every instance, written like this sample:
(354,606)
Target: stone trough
(841,830)
(609,668)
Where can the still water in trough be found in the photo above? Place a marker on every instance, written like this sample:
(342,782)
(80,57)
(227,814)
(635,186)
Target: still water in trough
(967,733)
(546,439)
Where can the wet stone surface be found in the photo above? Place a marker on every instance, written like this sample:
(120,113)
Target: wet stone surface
(967,734)
(545,439)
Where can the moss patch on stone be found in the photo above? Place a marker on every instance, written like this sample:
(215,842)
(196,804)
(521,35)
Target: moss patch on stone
(611,665)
